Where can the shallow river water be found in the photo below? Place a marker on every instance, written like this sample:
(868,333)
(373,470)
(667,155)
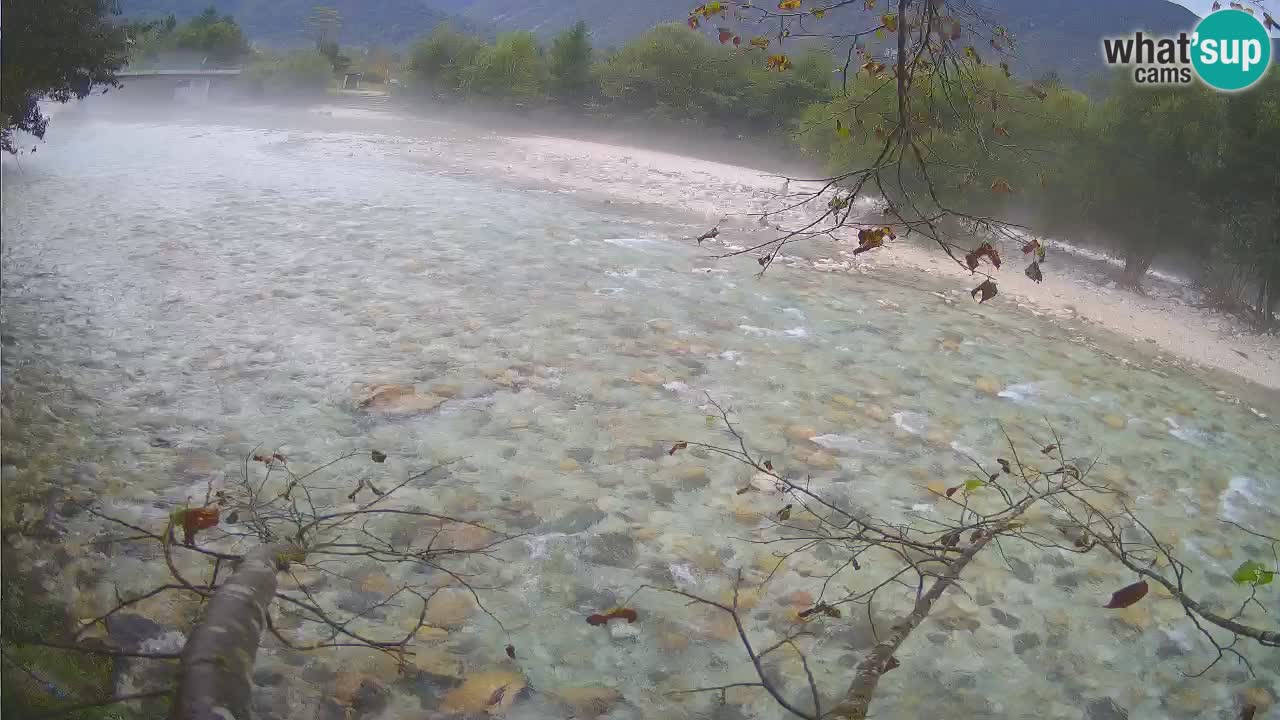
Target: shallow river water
(206,288)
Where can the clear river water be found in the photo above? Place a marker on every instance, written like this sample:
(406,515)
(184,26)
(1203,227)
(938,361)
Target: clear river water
(182,290)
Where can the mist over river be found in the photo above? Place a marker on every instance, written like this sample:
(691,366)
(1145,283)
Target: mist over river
(180,290)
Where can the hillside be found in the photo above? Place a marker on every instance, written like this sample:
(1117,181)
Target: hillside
(1065,37)
(279,22)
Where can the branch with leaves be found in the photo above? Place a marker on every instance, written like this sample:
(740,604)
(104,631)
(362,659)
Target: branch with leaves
(927,557)
(270,523)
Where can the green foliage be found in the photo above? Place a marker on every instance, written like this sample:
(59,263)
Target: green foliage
(296,72)
(437,61)
(676,73)
(218,38)
(1253,573)
(38,680)
(570,63)
(65,49)
(513,67)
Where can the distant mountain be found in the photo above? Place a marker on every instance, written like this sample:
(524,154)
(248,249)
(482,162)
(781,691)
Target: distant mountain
(1052,35)
(279,22)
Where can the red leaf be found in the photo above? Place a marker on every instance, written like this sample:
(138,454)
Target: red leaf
(725,35)
(194,520)
(1126,596)
(1030,246)
(952,490)
(619,613)
(511,651)
(678,446)
(768,465)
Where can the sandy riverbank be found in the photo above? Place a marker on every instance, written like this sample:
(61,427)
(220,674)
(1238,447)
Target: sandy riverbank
(1074,288)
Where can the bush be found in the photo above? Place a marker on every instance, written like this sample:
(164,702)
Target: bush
(305,72)
(436,62)
(513,67)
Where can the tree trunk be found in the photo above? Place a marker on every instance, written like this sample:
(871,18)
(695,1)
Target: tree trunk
(1136,264)
(217,662)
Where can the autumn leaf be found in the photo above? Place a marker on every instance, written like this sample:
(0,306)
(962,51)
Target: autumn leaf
(1030,246)
(778,62)
(999,131)
(869,4)
(1048,449)
(693,22)
(737,41)
(1252,573)
(872,238)
(233,517)
(987,290)
(678,446)
(725,35)
(760,41)
(377,456)
(1004,465)
(511,651)
(789,5)
(841,130)
(1126,596)
(1033,272)
(819,13)
(619,613)
(972,53)
(984,250)
(785,512)
(1268,22)
(194,520)
(890,22)
(873,68)
(763,260)
(1001,185)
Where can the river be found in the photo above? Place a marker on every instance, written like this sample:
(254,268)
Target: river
(202,287)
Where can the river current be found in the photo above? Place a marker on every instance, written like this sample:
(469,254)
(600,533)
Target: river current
(199,288)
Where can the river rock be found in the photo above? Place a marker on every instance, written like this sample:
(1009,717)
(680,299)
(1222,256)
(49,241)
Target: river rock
(1115,422)
(646,377)
(821,460)
(1104,709)
(577,520)
(986,385)
(1259,697)
(396,400)
(450,608)
(1025,642)
(569,465)
(614,549)
(620,630)
(691,477)
(844,401)
(587,702)
(488,693)
(799,433)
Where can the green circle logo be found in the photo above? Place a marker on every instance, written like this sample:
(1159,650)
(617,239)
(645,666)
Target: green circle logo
(1231,50)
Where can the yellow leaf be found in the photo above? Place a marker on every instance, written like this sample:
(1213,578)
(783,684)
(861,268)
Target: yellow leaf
(972,53)
(890,22)
(760,41)
(819,12)
(789,5)
(1001,185)
(778,62)
(841,130)
(869,4)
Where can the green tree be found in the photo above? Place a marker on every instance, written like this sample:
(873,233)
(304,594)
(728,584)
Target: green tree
(570,63)
(1245,199)
(299,72)
(54,49)
(219,39)
(437,61)
(513,67)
